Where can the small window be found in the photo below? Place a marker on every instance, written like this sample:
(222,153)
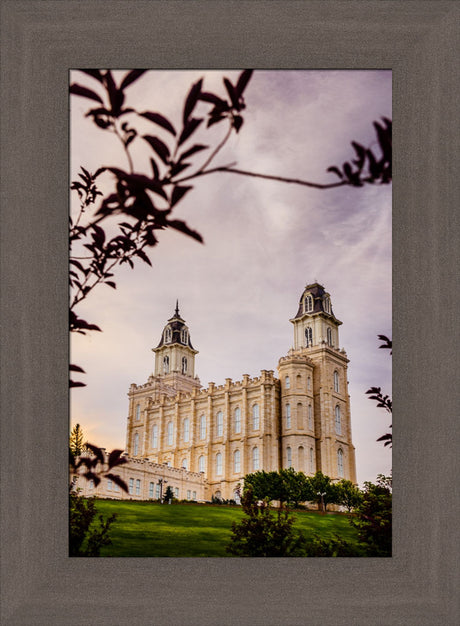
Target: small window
(310,417)
(220,424)
(288,457)
(186,430)
(287,382)
(157,491)
(201,464)
(327,304)
(340,462)
(255,417)
(131,486)
(91,484)
(236,462)
(308,304)
(184,464)
(218,464)
(309,383)
(300,423)
(136,444)
(301,457)
(138,487)
(338,420)
(237,420)
(288,416)
(166,364)
(308,337)
(151,488)
(109,484)
(329,336)
(138,412)
(170,433)
(168,335)
(336,381)
(203,427)
(176,492)
(116,487)
(255,459)
(184,336)
(189,494)
(193,495)
(155,436)
(184,365)
(312,461)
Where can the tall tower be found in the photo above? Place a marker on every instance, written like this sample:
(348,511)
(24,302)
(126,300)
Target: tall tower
(314,385)
(175,356)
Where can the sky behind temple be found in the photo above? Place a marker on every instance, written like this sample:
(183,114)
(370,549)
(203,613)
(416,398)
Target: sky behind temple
(264,241)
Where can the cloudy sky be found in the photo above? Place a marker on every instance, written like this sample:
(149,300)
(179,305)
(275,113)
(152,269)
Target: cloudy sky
(264,241)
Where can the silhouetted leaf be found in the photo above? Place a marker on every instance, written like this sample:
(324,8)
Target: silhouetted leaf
(141,254)
(76,368)
(73,383)
(156,118)
(232,93)
(96,451)
(210,97)
(156,173)
(243,81)
(178,193)
(94,73)
(188,129)
(191,100)
(192,150)
(159,146)
(214,119)
(110,284)
(114,458)
(118,481)
(335,170)
(116,96)
(177,168)
(237,122)
(183,228)
(79,90)
(131,77)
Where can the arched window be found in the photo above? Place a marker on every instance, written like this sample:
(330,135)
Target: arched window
(201,465)
(288,457)
(308,304)
(336,381)
(298,381)
(338,420)
(300,422)
(220,424)
(329,336)
(237,420)
(155,436)
(287,382)
(138,412)
(184,464)
(218,464)
(327,304)
(203,427)
(166,364)
(340,462)
(301,466)
(309,383)
(255,417)
(308,337)
(170,431)
(236,462)
(310,417)
(288,416)
(184,336)
(312,461)
(186,429)
(136,444)
(255,459)
(217,495)
(184,365)
(168,335)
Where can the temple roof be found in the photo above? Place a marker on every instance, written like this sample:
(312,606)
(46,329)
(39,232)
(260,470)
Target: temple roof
(318,293)
(177,325)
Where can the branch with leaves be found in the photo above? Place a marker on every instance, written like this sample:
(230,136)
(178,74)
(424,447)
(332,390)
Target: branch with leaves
(383,400)
(94,466)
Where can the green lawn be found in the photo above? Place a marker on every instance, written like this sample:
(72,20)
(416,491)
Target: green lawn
(152,529)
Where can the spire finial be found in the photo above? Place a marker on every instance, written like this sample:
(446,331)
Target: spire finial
(177,308)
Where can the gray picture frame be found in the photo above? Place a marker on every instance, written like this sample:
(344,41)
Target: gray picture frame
(41,41)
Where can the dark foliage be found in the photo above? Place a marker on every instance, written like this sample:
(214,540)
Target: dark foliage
(383,400)
(168,495)
(93,466)
(88,532)
(373,517)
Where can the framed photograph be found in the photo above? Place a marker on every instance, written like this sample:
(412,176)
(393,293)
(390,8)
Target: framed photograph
(414,43)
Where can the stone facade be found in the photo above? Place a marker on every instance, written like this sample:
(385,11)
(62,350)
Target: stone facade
(300,419)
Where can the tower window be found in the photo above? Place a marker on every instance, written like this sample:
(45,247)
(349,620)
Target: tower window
(288,416)
(329,336)
(287,382)
(131,485)
(288,457)
(338,420)
(184,464)
(220,424)
(155,436)
(218,464)
(184,336)
(166,365)
(340,462)
(136,444)
(203,427)
(301,458)
(201,464)
(309,383)
(308,337)
(138,412)
(237,420)
(310,417)
(184,365)
(308,304)
(255,459)
(138,487)
(170,433)
(336,381)
(186,429)
(236,462)
(312,461)
(151,488)
(255,417)
(168,335)
(327,304)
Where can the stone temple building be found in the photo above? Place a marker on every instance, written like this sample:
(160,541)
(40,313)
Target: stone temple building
(213,436)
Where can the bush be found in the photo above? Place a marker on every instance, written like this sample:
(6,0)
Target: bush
(86,537)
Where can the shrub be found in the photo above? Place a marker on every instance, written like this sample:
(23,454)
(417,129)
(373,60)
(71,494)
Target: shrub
(86,537)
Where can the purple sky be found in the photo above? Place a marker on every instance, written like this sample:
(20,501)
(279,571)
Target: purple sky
(264,241)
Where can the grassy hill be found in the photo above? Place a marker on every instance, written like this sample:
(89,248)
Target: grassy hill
(192,530)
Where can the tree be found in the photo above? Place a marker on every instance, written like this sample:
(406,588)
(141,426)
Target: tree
(168,494)
(321,490)
(261,533)
(348,494)
(86,534)
(373,517)
(76,440)
(383,401)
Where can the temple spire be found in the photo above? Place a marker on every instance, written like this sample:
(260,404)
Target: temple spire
(177,309)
